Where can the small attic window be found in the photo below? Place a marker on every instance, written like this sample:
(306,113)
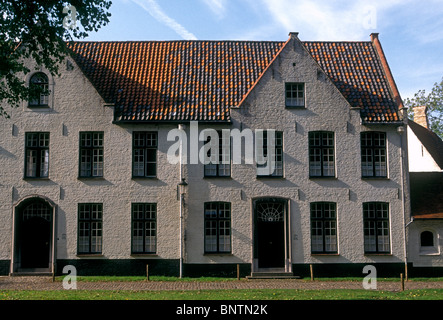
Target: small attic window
(39,84)
(427,239)
(295,95)
(427,243)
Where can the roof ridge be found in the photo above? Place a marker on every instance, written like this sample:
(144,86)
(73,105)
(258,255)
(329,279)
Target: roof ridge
(159,41)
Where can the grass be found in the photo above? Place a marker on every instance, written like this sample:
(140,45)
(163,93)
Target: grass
(227,294)
(238,294)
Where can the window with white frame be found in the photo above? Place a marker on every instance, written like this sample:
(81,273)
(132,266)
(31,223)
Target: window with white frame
(144,154)
(269,153)
(37,154)
(90,229)
(295,95)
(39,86)
(321,154)
(144,228)
(373,155)
(323,227)
(376,227)
(428,243)
(217,227)
(91,154)
(220,162)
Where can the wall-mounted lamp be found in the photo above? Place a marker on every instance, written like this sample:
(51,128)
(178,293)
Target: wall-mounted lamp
(182,186)
(400,129)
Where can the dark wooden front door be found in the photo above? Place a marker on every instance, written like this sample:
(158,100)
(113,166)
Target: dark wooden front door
(270,237)
(34,235)
(35,243)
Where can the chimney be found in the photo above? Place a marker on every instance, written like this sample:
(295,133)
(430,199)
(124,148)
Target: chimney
(374,36)
(293,35)
(420,116)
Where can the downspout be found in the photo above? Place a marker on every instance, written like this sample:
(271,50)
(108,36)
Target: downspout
(181,128)
(400,131)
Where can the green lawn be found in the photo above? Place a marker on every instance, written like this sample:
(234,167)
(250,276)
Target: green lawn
(238,294)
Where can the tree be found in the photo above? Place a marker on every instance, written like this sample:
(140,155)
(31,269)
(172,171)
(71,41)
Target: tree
(40,29)
(434,102)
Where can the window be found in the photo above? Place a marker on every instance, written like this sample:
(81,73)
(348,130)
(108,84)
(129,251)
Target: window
(323,227)
(295,95)
(373,154)
(144,227)
(427,239)
(217,227)
(321,154)
(91,154)
(220,165)
(144,153)
(39,86)
(37,155)
(269,153)
(90,219)
(376,227)
(427,243)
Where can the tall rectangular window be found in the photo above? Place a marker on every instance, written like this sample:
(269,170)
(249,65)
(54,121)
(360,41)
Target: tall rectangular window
(376,227)
(144,154)
(373,154)
(269,154)
(91,154)
(220,165)
(321,154)
(323,227)
(90,229)
(36,154)
(144,228)
(295,95)
(217,227)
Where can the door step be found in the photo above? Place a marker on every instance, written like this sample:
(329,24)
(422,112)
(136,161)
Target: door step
(31,272)
(273,275)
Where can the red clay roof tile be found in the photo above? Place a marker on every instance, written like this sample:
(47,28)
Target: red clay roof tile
(202,80)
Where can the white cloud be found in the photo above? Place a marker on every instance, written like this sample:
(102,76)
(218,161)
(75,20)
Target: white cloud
(218,7)
(330,20)
(156,11)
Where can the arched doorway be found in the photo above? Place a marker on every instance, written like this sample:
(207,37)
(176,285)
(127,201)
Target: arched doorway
(271,236)
(33,238)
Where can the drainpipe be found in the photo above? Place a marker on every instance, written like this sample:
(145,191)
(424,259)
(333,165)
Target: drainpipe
(400,131)
(181,195)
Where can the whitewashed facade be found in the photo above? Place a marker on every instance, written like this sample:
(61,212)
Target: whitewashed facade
(113,222)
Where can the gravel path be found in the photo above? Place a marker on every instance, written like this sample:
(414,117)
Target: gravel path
(45,283)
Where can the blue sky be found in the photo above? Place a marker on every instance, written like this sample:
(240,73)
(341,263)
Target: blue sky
(411,31)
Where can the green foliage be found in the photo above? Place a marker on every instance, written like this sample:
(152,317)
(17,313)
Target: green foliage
(36,29)
(434,102)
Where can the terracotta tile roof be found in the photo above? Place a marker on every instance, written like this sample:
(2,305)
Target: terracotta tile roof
(174,80)
(358,73)
(426,195)
(202,80)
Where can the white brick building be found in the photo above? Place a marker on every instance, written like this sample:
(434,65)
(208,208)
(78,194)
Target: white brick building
(86,179)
